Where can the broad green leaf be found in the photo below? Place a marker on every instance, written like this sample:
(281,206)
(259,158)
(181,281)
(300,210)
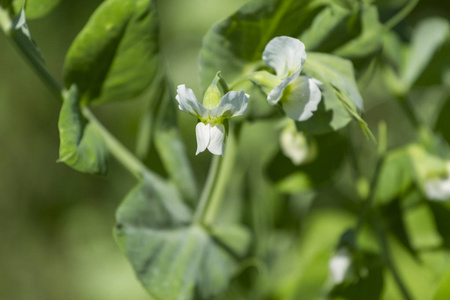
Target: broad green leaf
(115,56)
(443,291)
(235,45)
(172,258)
(428,36)
(81,147)
(341,100)
(36,8)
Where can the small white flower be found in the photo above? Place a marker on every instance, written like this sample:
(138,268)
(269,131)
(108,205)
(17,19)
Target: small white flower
(340,265)
(210,130)
(438,189)
(299,95)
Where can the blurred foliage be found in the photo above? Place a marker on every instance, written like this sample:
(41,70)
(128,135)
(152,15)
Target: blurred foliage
(352,194)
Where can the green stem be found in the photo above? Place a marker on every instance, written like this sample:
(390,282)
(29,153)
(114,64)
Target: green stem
(382,239)
(207,190)
(122,154)
(222,179)
(406,10)
(134,165)
(369,202)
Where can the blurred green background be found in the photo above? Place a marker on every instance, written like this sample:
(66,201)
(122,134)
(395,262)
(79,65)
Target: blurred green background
(56,223)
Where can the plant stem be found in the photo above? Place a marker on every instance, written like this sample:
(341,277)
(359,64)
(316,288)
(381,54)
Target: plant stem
(207,190)
(117,149)
(382,239)
(406,10)
(368,203)
(131,163)
(222,179)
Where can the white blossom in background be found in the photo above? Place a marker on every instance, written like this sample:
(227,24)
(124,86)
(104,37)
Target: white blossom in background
(340,265)
(298,95)
(210,131)
(438,189)
(294,145)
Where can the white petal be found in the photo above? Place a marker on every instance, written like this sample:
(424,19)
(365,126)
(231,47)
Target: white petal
(277,93)
(304,98)
(188,102)
(231,104)
(202,132)
(339,265)
(217,135)
(285,55)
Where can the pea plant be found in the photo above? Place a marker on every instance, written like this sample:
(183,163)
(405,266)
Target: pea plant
(301,200)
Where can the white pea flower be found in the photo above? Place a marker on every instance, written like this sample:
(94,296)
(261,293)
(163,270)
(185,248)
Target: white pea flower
(215,110)
(340,265)
(438,189)
(298,95)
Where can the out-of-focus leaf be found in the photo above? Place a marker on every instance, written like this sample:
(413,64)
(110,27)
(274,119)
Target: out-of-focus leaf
(172,258)
(393,217)
(170,146)
(370,39)
(402,168)
(443,291)
(36,8)
(429,35)
(115,56)
(367,281)
(82,147)
(6,3)
(291,179)
(441,213)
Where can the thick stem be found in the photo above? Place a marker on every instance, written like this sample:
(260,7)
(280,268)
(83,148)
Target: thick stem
(222,180)
(207,190)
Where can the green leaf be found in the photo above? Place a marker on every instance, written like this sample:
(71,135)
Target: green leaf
(172,258)
(441,213)
(115,57)
(36,8)
(82,147)
(341,98)
(235,45)
(428,36)
(370,39)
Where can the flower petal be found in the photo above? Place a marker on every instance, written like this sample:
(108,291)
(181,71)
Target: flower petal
(285,55)
(340,265)
(277,93)
(188,102)
(304,98)
(202,132)
(217,135)
(231,104)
